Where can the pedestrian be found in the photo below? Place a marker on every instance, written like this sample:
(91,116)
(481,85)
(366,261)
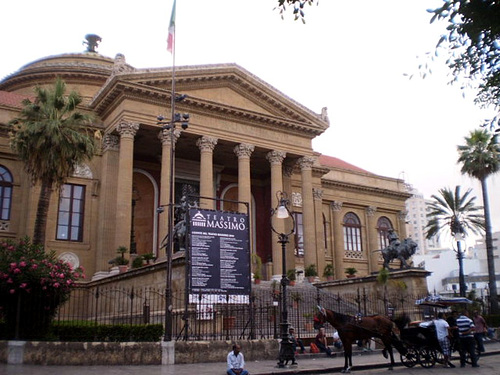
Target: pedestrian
(236,362)
(322,343)
(443,332)
(455,337)
(467,342)
(481,330)
(295,341)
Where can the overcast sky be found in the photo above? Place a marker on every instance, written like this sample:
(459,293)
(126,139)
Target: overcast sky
(350,56)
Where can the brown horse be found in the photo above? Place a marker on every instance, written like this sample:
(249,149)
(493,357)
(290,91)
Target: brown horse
(351,329)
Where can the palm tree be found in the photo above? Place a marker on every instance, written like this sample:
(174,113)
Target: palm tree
(48,138)
(457,214)
(480,158)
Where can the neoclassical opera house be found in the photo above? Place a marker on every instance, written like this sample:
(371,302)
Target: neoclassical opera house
(246,141)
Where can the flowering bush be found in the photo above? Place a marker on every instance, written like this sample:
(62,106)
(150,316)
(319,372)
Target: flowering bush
(33,283)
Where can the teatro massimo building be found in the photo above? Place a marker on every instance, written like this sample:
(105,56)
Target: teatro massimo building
(245,141)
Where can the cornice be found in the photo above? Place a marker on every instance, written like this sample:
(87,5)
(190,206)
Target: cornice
(106,99)
(339,185)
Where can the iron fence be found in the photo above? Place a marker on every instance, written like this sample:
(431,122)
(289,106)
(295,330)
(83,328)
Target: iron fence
(201,317)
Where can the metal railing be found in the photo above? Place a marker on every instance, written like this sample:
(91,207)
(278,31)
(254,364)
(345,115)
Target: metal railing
(202,319)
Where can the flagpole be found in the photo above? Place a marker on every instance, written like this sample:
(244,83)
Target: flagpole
(171,202)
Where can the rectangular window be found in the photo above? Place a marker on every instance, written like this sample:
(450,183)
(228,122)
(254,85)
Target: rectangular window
(299,234)
(70,214)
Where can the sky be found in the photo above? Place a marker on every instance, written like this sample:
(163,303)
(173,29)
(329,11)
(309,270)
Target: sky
(353,57)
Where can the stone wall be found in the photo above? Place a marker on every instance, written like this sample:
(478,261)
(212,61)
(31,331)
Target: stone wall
(129,353)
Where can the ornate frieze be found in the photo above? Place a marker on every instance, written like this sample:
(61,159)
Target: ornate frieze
(318,193)
(110,142)
(306,162)
(370,211)
(166,137)
(127,128)
(296,199)
(336,206)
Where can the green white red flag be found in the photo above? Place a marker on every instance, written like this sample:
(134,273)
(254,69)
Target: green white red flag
(171,31)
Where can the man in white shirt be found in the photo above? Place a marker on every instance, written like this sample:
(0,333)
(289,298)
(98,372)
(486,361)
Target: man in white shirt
(442,332)
(236,362)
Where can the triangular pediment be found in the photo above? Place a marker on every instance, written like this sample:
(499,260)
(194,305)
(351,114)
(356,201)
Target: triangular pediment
(225,87)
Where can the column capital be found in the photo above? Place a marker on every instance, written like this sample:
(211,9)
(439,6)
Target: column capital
(166,137)
(110,142)
(127,128)
(402,215)
(317,194)
(370,211)
(336,206)
(206,143)
(306,162)
(244,150)
(276,157)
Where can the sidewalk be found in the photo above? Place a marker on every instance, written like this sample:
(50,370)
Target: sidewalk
(307,364)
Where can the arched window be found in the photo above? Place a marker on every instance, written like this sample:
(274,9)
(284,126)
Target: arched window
(5,193)
(383,226)
(352,235)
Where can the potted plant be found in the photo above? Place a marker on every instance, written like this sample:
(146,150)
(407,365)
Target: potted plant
(120,260)
(290,274)
(351,272)
(308,323)
(148,257)
(296,298)
(310,272)
(328,272)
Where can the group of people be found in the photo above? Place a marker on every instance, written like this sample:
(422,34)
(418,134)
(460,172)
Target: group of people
(459,331)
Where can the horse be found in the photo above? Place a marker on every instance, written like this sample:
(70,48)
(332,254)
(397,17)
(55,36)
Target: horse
(402,251)
(351,329)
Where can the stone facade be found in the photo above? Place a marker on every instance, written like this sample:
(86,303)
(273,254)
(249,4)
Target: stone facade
(245,141)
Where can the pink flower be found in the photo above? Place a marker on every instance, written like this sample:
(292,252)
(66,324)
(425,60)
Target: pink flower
(9,281)
(57,285)
(12,291)
(17,270)
(34,266)
(23,285)
(22,264)
(13,265)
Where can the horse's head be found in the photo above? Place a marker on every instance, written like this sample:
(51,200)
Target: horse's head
(320,318)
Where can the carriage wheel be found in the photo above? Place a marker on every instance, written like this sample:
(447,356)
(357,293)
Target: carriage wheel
(427,357)
(410,359)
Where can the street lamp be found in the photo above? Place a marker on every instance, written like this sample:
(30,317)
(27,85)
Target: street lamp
(170,126)
(457,232)
(282,212)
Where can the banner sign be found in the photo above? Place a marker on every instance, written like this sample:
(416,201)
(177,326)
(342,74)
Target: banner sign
(219,256)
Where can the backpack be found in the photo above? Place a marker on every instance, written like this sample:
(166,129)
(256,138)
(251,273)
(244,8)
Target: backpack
(314,348)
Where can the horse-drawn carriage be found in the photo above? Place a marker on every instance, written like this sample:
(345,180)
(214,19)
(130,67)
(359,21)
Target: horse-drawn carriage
(420,340)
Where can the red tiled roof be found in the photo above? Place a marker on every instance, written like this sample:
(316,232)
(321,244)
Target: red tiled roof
(12,99)
(330,161)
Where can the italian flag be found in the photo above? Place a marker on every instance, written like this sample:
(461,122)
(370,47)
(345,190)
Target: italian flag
(171,31)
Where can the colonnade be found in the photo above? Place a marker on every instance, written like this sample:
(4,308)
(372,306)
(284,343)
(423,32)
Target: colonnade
(207,146)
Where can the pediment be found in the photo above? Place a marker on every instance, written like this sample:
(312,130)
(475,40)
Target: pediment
(226,88)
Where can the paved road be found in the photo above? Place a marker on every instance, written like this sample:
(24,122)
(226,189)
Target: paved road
(373,363)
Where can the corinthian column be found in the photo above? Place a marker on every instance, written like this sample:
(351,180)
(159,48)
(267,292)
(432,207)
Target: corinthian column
(206,145)
(338,239)
(168,139)
(320,230)
(306,164)
(372,231)
(127,131)
(276,160)
(244,151)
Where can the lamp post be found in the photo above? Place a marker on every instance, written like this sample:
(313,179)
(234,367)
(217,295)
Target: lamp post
(170,126)
(286,346)
(457,231)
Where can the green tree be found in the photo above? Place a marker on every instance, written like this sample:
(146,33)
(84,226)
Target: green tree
(456,214)
(480,158)
(49,138)
(472,42)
